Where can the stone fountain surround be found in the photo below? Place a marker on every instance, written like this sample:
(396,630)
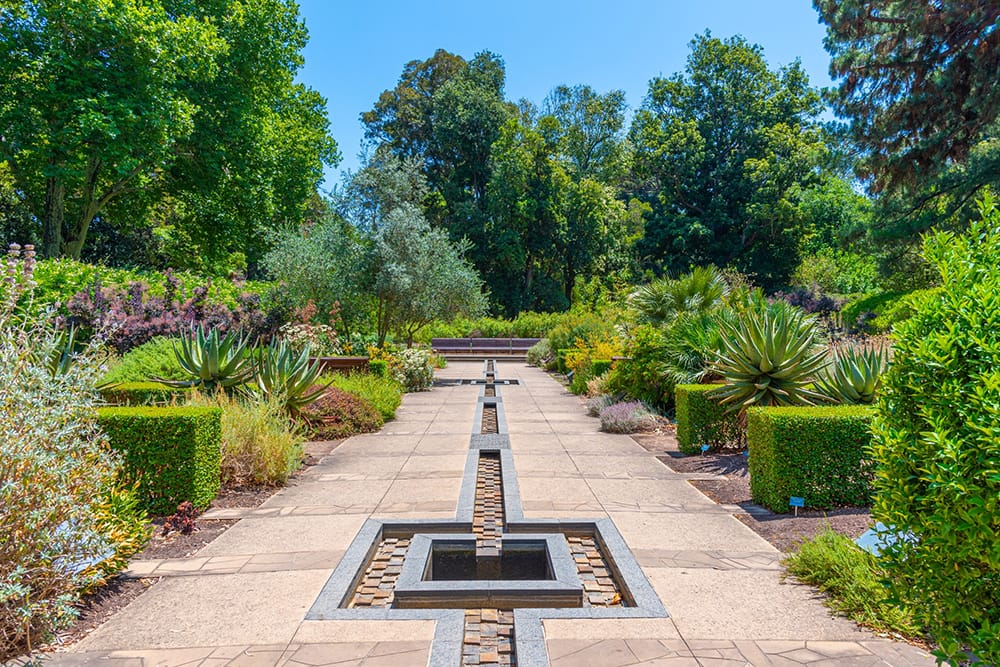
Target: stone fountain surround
(529,639)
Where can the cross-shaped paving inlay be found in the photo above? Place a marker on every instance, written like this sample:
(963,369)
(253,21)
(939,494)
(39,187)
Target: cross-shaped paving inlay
(489,576)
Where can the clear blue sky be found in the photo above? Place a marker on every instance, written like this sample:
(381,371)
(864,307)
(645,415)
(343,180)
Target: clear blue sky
(357,49)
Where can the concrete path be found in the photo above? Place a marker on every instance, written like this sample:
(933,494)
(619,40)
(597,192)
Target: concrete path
(243,599)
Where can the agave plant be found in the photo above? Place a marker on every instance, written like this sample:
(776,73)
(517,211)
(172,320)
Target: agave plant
(212,361)
(283,372)
(854,376)
(661,301)
(769,358)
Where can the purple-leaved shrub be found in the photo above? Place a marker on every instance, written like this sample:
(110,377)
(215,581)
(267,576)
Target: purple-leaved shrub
(627,417)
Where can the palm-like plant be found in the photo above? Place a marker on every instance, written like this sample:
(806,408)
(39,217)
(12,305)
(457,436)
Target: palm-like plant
(661,301)
(854,376)
(284,373)
(769,358)
(212,361)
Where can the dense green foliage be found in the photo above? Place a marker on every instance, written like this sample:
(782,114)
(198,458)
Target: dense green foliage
(172,453)
(701,420)
(728,120)
(852,580)
(143,393)
(383,393)
(341,414)
(226,142)
(153,359)
(638,375)
(817,453)
(937,446)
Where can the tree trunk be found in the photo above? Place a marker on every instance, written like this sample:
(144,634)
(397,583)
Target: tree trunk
(53,212)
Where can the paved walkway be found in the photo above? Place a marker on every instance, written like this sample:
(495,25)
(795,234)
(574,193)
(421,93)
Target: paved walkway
(243,599)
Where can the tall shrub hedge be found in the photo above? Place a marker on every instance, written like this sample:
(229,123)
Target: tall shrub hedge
(142,393)
(702,421)
(172,452)
(937,447)
(816,453)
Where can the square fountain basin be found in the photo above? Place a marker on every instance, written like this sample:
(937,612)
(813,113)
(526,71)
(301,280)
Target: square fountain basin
(534,570)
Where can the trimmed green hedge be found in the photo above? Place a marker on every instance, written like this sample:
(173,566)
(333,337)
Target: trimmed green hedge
(173,453)
(142,393)
(599,367)
(817,453)
(378,367)
(702,421)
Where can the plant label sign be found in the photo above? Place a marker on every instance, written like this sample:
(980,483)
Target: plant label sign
(705,448)
(796,502)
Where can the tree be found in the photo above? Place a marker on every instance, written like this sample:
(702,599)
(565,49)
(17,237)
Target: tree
(324,264)
(918,80)
(90,109)
(383,184)
(721,153)
(591,130)
(96,122)
(417,275)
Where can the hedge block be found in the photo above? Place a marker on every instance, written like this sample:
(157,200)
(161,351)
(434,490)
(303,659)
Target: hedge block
(599,367)
(142,393)
(378,367)
(702,421)
(816,453)
(172,452)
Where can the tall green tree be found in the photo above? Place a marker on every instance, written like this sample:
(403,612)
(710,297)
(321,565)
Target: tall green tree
(918,81)
(722,151)
(111,109)
(591,130)
(90,105)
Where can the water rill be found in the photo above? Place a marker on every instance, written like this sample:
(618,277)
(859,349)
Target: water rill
(489,576)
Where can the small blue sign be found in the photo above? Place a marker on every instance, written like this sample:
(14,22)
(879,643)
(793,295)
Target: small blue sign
(705,448)
(746,455)
(795,501)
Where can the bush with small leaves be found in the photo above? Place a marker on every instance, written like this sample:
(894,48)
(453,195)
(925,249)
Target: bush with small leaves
(416,372)
(628,417)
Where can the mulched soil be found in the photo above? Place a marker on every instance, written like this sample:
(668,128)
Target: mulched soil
(732,487)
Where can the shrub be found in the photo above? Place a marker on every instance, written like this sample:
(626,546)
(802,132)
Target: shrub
(701,420)
(155,358)
(596,404)
(638,375)
(260,445)
(142,393)
(384,394)
(416,371)
(540,353)
(587,327)
(339,414)
(599,367)
(64,524)
(937,447)
(852,579)
(628,417)
(172,453)
(378,368)
(879,312)
(663,300)
(769,358)
(320,339)
(817,453)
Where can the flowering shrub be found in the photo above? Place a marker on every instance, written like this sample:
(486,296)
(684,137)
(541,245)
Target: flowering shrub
(597,404)
(64,525)
(416,371)
(321,339)
(627,417)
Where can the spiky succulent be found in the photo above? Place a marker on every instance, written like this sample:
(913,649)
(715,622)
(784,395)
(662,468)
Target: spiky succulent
(212,360)
(854,376)
(281,371)
(769,358)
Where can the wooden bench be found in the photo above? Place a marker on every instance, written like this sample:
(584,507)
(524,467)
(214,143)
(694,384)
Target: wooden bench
(342,364)
(516,347)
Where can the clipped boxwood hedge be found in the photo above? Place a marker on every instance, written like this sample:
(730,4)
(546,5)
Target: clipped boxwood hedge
(142,393)
(599,367)
(702,421)
(816,453)
(172,452)
(378,367)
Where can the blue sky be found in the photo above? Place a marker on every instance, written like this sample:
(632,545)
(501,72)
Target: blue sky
(358,49)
